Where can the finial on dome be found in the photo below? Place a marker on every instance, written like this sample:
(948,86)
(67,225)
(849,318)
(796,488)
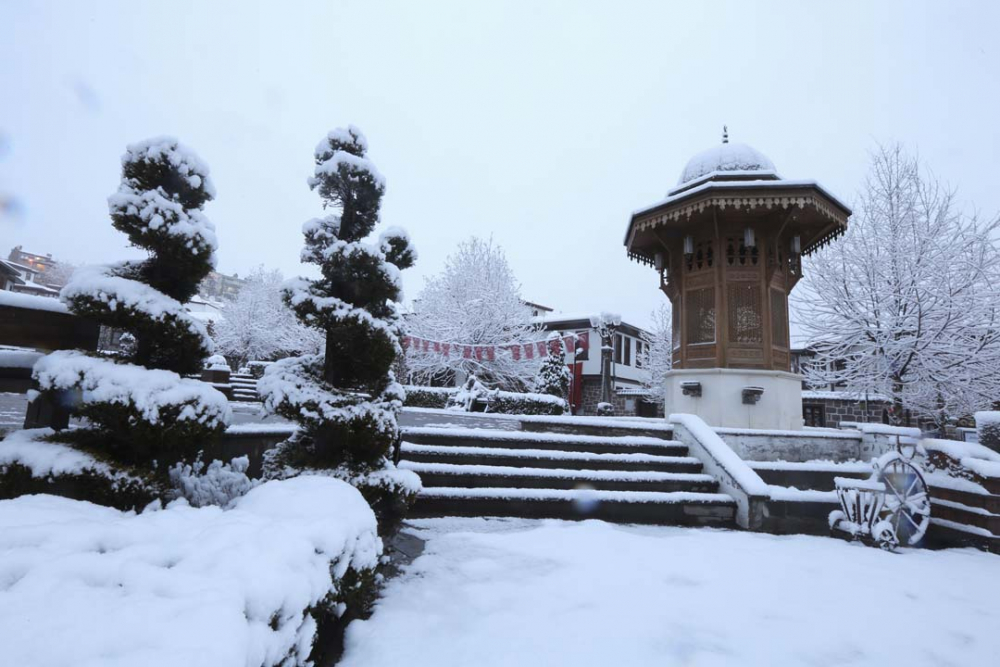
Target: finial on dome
(725,134)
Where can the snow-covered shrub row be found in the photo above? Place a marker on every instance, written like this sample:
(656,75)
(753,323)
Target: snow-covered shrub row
(513,403)
(503,402)
(346,399)
(988,427)
(254,585)
(31,462)
(428,397)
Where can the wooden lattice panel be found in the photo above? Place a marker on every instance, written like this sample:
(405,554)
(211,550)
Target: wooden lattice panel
(745,321)
(779,318)
(700,304)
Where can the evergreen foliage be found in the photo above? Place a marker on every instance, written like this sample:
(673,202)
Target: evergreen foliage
(554,376)
(346,399)
(140,409)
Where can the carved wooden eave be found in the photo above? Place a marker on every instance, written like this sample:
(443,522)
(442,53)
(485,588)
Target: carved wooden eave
(772,195)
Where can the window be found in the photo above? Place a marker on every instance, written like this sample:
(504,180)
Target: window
(618,349)
(628,351)
(813,415)
(638,353)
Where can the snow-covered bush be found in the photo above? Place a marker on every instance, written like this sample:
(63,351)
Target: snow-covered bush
(217,484)
(428,397)
(142,414)
(988,428)
(346,399)
(554,376)
(262,584)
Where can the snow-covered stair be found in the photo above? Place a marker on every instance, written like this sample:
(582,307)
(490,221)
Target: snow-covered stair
(629,479)
(244,387)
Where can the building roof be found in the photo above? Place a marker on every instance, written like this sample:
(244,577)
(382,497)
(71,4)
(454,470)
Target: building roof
(726,158)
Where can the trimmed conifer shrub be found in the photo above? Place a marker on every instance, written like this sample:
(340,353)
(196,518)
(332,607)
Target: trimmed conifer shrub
(140,409)
(347,398)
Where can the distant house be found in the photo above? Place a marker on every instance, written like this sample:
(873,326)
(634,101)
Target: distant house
(630,398)
(24,278)
(219,286)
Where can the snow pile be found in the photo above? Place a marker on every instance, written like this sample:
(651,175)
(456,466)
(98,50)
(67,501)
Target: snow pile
(726,158)
(499,593)
(216,362)
(32,301)
(18,358)
(82,584)
(150,393)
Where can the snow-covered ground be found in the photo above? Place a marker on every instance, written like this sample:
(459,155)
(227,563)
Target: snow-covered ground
(514,592)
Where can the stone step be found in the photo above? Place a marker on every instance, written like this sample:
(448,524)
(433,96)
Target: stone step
(598,426)
(464,437)
(678,508)
(543,458)
(453,475)
(812,475)
(967,515)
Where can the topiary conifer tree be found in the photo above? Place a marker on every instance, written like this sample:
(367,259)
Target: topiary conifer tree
(346,399)
(553,376)
(140,409)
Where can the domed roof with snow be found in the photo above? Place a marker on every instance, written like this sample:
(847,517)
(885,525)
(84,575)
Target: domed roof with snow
(727,159)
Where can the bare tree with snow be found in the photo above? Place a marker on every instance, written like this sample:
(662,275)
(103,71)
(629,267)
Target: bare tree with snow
(656,357)
(259,325)
(906,304)
(475,301)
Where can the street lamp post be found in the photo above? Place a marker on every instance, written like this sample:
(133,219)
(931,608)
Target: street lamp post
(606,324)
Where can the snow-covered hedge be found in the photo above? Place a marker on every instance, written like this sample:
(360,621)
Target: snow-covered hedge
(966,460)
(251,586)
(428,397)
(988,427)
(502,402)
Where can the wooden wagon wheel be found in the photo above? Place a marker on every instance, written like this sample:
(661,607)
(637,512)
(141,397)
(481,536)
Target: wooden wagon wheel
(907,502)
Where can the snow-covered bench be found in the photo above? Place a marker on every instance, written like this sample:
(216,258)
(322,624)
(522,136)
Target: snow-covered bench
(38,323)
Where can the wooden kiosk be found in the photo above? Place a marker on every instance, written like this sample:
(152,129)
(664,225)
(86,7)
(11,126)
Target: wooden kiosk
(728,243)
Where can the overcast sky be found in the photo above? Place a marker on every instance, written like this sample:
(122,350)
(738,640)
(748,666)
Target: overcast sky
(541,124)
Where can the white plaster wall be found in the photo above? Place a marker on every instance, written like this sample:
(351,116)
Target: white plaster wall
(802,446)
(721,400)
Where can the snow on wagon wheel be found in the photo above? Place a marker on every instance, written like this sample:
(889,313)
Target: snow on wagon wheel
(907,503)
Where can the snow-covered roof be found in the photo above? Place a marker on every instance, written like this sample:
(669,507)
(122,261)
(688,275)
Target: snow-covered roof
(729,158)
(760,184)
